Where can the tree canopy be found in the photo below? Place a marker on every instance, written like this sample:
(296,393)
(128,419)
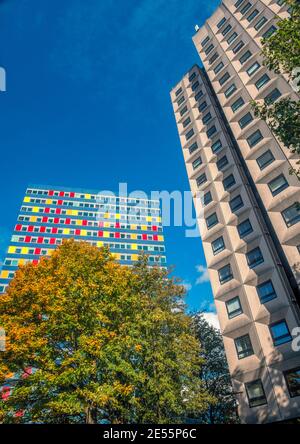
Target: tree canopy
(89,340)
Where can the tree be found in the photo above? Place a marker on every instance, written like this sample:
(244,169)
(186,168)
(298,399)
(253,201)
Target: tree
(281,53)
(89,340)
(215,374)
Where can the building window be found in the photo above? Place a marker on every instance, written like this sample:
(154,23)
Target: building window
(254,257)
(189,134)
(243,346)
(280,332)
(254,138)
(218,67)
(216,146)
(195,85)
(266,291)
(207,198)
(252,15)
(180,101)
(232,38)
(201,179)
(292,378)
(202,106)
(262,81)
(245,120)
(228,182)
(197,163)
(234,307)
(225,274)
(238,47)
(206,40)
(222,163)
(245,57)
(193,147)
(238,3)
(198,95)
(273,96)
(211,131)
(221,22)
(226,30)
(186,122)
(192,76)
(237,104)
(245,8)
(265,159)
(209,49)
(236,203)
(269,32)
(183,111)
(291,215)
(218,245)
(224,78)
(229,91)
(278,184)
(244,228)
(212,220)
(260,23)
(255,393)
(206,118)
(213,58)
(253,68)
(179,91)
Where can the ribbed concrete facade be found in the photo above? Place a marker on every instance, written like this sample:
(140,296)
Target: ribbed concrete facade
(250,221)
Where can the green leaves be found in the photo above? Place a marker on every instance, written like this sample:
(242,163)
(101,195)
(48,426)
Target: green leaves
(106,342)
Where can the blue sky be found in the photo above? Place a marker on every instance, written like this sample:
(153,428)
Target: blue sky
(87,105)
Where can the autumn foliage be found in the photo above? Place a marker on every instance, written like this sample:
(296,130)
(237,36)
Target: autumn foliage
(89,340)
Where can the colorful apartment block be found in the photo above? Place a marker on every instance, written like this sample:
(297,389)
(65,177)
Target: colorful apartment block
(128,226)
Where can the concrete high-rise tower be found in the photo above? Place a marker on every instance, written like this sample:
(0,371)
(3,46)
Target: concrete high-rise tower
(250,226)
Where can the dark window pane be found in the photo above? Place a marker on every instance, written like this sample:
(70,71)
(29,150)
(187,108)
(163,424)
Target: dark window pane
(292,378)
(291,215)
(211,131)
(209,49)
(278,184)
(255,393)
(229,91)
(201,179)
(234,307)
(211,220)
(195,85)
(186,122)
(253,68)
(232,38)
(269,32)
(207,198)
(179,91)
(180,101)
(197,163)
(254,138)
(226,30)
(206,118)
(221,163)
(245,57)
(272,96)
(245,228)
(218,67)
(252,15)
(228,182)
(262,81)
(246,8)
(237,104)
(265,159)
(243,346)
(221,22)
(213,58)
(236,203)
(245,120)
(280,333)
(224,78)
(192,76)
(198,95)
(206,40)
(254,257)
(216,146)
(260,23)
(183,110)
(266,292)
(218,245)
(193,147)
(238,47)
(225,274)
(189,134)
